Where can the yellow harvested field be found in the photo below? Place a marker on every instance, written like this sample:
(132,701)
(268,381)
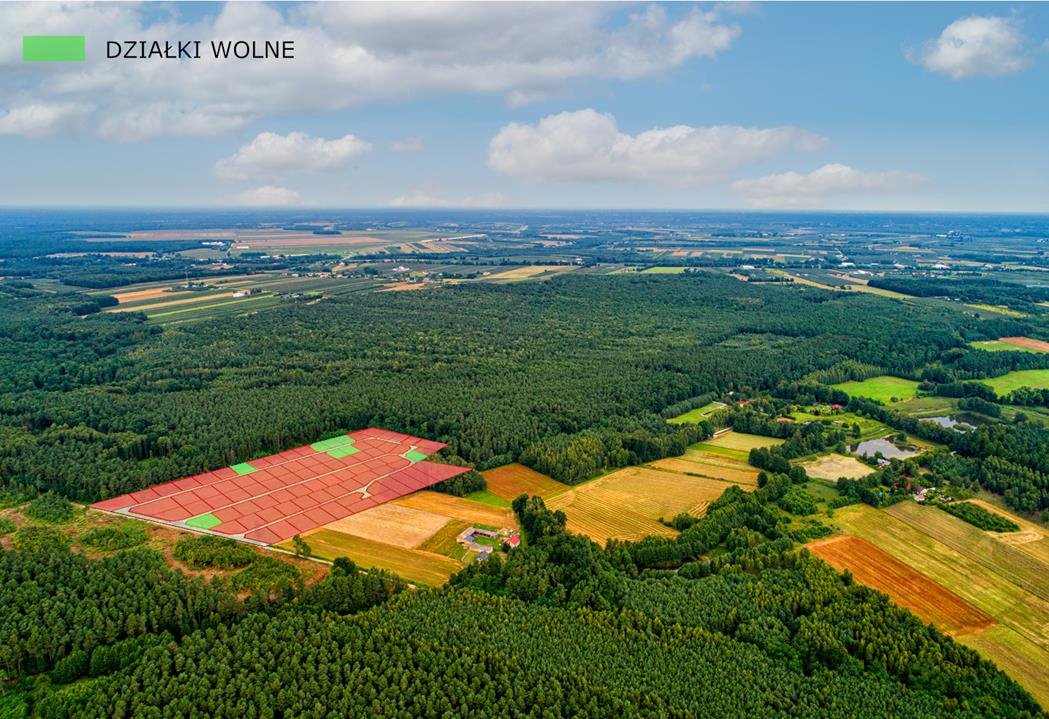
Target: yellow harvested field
(392,524)
(524,273)
(835,466)
(981,570)
(628,503)
(459,508)
(743,474)
(512,480)
(412,564)
(197,297)
(407,286)
(742,441)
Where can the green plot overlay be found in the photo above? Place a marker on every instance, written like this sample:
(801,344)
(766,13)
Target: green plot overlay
(204,521)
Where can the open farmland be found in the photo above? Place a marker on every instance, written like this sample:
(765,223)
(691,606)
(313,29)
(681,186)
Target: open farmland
(530,272)
(391,524)
(628,503)
(1020,642)
(735,445)
(1031,538)
(460,508)
(1033,378)
(413,565)
(699,413)
(884,388)
(1011,344)
(835,466)
(512,480)
(907,587)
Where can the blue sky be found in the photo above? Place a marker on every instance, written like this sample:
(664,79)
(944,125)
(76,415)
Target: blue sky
(932,106)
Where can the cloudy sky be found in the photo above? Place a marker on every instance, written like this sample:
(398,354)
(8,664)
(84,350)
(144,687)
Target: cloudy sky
(894,106)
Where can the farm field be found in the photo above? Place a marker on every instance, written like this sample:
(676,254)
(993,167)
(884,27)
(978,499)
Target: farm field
(1033,378)
(736,445)
(995,309)
(162,306)
(529,272)
(391,524)
(1020,644)
(907,587)
(883,388)
(414,565)
(460,508)
(662,270)
(1031,539)
(1002,346)
(835,466)
(869,428)
(512,480)
(628,503)
(693,416)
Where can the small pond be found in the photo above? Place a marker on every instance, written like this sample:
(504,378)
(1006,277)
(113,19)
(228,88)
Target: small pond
(871,447)
(955,422)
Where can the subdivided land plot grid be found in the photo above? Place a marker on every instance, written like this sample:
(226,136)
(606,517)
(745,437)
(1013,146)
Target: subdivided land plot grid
(272,499)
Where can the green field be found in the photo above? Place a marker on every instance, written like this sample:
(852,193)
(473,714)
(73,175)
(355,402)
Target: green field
(1033,378)
(693,416)
(999,346)
(884,388)
(662,270)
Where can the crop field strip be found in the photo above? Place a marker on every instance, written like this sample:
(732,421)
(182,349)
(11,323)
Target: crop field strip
(273,498)
(459,508)
(907,587)
(628,503)
(412,564)
(1032,539)
(512,480)
(981,547)
(1020,642)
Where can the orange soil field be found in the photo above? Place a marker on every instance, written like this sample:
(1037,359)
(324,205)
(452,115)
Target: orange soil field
(391,524)
(458,508)
(1027,343)
(123,297)
(908,588)
(512,480)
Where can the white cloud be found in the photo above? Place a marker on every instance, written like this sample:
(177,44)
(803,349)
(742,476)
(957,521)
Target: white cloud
(42,120)
(271,155)
(408,144)
(792,189)
(346,54)
(587,146)
(433,195)
(975,46)
(265,196)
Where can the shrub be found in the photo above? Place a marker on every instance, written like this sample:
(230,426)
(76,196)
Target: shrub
(6,526)
(40,539)
(50,507)
(213,553)
(113,538)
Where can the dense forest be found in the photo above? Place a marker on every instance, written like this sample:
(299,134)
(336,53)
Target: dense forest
(747,626)
(97,405)
(978,289)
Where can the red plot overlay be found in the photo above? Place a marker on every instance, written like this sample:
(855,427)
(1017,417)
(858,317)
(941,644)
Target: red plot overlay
(274,498)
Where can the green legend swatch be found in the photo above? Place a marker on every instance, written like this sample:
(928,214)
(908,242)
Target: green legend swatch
(53,48)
